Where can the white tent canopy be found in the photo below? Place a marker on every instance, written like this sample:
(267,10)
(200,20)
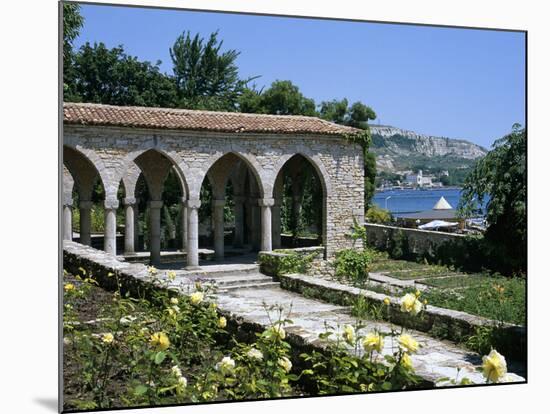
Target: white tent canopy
(437,224)
(442,204)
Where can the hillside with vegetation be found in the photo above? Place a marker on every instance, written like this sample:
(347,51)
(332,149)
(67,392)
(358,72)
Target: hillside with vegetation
(398,151)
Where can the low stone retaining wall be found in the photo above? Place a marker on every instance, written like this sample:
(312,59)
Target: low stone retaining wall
(279,261)
(419,242)
(443,323)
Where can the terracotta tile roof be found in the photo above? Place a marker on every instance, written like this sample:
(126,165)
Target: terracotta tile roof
(167,118)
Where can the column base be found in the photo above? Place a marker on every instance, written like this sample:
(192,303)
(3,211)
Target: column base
(193,268)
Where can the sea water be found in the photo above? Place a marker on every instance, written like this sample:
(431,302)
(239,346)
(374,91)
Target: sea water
(411,201)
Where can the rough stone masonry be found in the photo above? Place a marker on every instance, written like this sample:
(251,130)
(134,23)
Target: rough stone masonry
(117,144)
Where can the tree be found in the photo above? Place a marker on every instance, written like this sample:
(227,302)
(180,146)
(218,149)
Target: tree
(72,23)
(501,178)
(281,98)
(356,116)
(110,76)
(205,77)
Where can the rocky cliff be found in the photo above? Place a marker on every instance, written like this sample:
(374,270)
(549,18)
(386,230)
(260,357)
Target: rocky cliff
(400,150)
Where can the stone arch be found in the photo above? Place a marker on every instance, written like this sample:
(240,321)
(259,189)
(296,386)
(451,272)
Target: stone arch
(68,185)
(324,180)
(314,160)
(248,160)
(84,171)
(128,162)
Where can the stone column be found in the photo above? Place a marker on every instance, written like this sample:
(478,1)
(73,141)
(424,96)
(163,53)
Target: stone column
(239,221)
(129,225)
(183,224)
(85,222)
(265,205)
(296,209)
(193,234)
(68,220)
(254,224)
(218,206)
(154,230)
(137,246)
(109,238)
(276,223)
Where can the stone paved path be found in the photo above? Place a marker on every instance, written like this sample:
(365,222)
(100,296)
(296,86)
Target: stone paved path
(436,358)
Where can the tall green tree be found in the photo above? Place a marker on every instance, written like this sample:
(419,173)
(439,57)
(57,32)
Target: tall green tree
(72,23)
(110,76)
(281,98)
(206,77)
(501,178)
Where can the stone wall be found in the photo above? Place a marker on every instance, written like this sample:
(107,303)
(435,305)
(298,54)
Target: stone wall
(420,242)
(338,162)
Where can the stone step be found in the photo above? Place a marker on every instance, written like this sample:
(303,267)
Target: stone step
(217,271)
(262,285)
(236,280)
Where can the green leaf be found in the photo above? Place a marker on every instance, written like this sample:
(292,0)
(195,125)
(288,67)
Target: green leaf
(386,386)
(140,390)
(159,357)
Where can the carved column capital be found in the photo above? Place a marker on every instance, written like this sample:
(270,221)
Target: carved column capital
(266,202)
(193,203)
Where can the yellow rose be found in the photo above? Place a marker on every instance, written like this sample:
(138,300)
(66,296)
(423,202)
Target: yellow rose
(107,338)
(171,274)
(160,340)
(68,287)
(373,342)
(196,298)
(349,334)
(152,270)
(285,363)
(387,301)
(276,331)
(494,366)
(226,365)
(406,361)
(410,304)
(174,301)
(222,322)
(408,343)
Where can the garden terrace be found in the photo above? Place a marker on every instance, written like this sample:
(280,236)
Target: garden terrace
(246,308)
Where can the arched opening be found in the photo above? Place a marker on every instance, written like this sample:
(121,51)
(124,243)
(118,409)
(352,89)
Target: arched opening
(229,215)
(84,209)
(299,214)
(154,210)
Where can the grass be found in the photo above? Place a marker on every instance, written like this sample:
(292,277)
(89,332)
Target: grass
(491,296)
(499,298)
(456,281)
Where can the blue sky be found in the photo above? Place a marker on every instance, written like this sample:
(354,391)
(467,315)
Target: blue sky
(457,83)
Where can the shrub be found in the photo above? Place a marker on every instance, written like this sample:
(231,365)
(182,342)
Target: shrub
(284,262)
(343,367)
(378,215)
(353,265)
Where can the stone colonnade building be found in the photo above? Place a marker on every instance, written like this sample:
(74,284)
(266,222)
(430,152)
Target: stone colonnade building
(116,144)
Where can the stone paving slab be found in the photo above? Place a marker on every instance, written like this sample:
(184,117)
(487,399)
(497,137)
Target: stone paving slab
(382,278)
